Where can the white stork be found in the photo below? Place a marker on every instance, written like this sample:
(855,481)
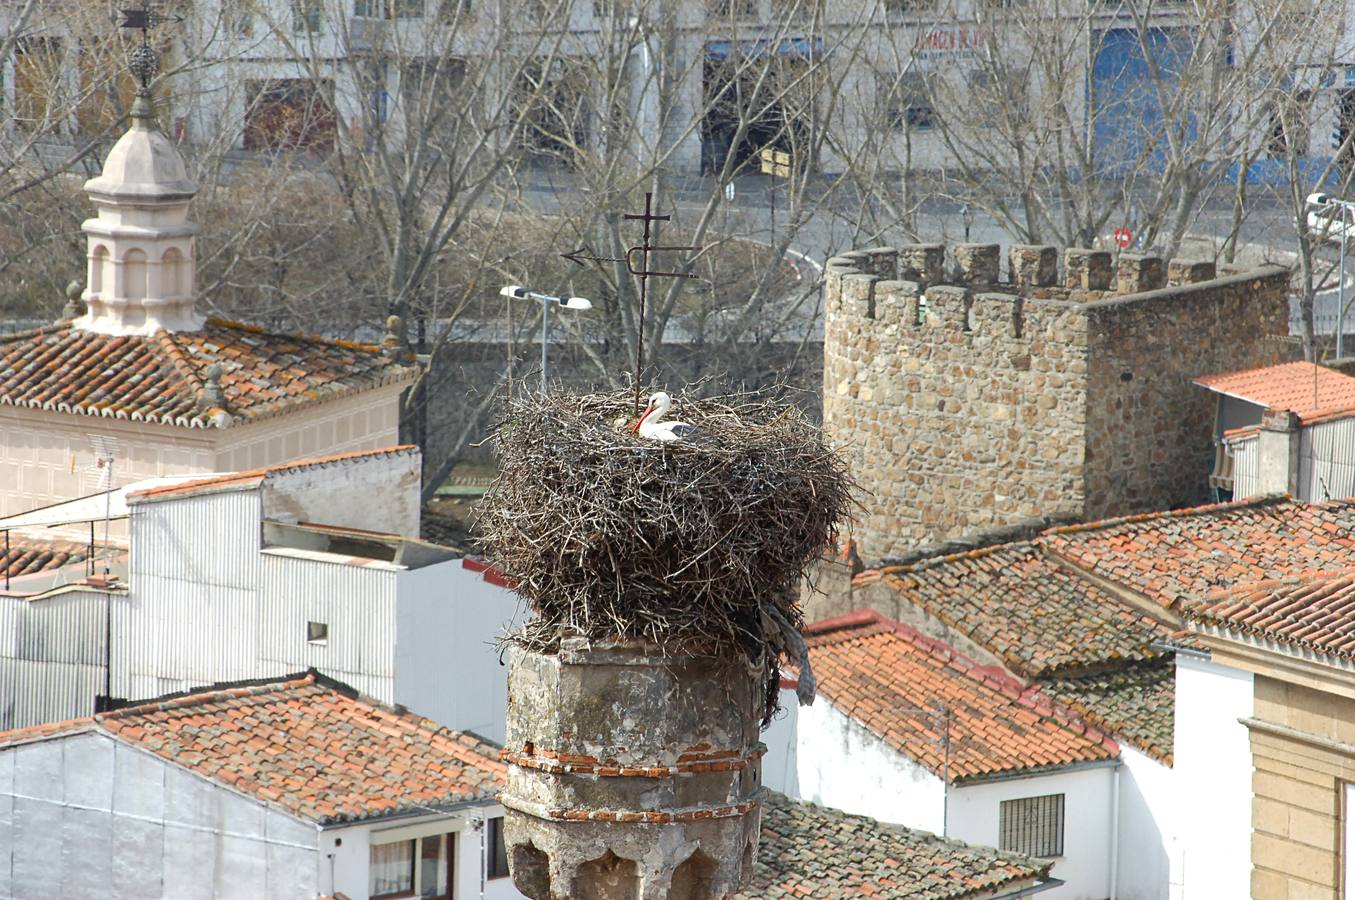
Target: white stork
(650,425)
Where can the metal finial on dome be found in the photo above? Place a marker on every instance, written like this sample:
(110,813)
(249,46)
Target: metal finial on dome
(144,61)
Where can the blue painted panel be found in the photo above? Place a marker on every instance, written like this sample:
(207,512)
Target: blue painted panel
(1128,124)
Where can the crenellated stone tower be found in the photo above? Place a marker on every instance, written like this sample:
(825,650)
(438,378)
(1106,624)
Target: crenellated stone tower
(981,401)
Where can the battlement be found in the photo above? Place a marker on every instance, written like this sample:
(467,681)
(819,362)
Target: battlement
(970,394)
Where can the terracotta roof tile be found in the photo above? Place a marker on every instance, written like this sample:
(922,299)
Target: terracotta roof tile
(1026,609)
(306,744)
(1170,556)
(1316,614)
(29,555)
(159,378)
(882,673)
(1303,387)
(1136,703)
(808,851)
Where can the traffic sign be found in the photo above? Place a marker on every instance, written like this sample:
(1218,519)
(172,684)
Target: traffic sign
(775,162)
(1123,237)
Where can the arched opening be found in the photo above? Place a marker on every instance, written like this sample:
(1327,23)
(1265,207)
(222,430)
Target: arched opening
(172,273)
(693,879)
(609,877)
(134,275)
(98,263)
(530,869)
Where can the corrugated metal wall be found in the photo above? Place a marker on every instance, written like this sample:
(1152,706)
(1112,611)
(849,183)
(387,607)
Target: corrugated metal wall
(192,616)
(1244,467)
(51,656)
(356,602)
(1327,460)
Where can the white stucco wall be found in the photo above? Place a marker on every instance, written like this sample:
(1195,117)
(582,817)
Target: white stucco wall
(1213,781)
(1148,826)
(447,668)
(1088,796)
(345,853)
(89,816)
(843,765)
(780,764)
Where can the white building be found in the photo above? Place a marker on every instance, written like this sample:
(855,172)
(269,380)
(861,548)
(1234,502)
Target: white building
(281,790)
(312,564)
(1286,429)
(907,730)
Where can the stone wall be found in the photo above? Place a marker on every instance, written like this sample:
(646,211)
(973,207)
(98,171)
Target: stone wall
(976,403)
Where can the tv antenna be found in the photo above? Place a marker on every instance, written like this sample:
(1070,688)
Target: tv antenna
(106,452)
(642,272)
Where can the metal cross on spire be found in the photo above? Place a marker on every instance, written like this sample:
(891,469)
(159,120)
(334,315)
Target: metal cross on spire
(143,61)
(643,272)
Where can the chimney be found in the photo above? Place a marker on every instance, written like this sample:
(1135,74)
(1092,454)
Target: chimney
(1277,451)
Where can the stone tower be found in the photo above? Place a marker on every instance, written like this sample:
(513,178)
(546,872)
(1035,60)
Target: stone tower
(633,775)
(977,402)
(141,270)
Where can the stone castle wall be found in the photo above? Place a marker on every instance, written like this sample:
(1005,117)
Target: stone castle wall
(973,402)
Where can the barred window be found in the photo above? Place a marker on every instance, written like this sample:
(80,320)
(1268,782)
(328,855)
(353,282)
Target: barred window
(1032,825)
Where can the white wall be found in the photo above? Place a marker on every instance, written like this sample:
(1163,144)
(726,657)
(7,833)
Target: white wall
(1148,826)
(345,854)
(780,770)
(446,665)
(1213,781)
(843,765)
(89,816)
(1088,792)
(388,485)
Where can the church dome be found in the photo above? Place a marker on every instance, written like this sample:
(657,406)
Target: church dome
(143,164)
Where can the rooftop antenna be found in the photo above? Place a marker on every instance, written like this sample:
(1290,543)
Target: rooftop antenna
(643,272)
(105,455)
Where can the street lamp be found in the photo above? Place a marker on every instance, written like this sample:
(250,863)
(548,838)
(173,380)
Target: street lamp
(518,292)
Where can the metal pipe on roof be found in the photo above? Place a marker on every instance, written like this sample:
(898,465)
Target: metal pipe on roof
(1047,885)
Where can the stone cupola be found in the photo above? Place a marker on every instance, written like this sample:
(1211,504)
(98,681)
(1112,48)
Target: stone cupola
(142,265)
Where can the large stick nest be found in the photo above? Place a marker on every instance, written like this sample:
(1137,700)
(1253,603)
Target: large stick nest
(697,545)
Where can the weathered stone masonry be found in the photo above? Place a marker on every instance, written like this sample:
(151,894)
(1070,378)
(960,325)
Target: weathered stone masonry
(1061,392)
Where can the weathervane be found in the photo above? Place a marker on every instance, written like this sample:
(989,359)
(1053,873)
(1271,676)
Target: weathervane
(643,249)
(143,61)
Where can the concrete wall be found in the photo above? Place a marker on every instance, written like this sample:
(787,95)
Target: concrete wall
(88,816)
(447,667)
(388,486)
(1212,775)
(1299,781)
(780,764)
(1088,823)
(970,406)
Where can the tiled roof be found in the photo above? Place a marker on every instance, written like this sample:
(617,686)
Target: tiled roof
(28,555)
(306,744)
(1302,387)
(1173,555)
(881,674)
(1135,703)
(1316,614)
(161,378)
(808,851)
(1032,613)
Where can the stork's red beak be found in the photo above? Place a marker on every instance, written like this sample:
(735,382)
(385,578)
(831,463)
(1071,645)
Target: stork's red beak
(640,421)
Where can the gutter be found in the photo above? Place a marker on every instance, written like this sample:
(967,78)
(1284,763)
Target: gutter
(1046,884)
(1180,649)
(416,813)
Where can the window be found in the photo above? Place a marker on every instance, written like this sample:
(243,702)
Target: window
(732,9)
(421,867)
(1347,841)
(897,8)
(907,104)
(291,115)
(498,850)
(995,89)
(388,9)
(317,632)
(1032,825)
(306,15)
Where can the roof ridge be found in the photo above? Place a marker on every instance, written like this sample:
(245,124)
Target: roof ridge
(934,561)
(212,693)
(59,325)
(294,335)
(856,619)
(1313,576)
(1259,501)
(179,359)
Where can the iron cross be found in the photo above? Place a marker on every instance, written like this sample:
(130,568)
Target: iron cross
(642,272)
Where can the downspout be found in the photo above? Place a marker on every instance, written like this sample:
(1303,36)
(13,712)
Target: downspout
(1115,833)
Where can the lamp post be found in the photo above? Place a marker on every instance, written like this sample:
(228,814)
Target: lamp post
(518,292)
